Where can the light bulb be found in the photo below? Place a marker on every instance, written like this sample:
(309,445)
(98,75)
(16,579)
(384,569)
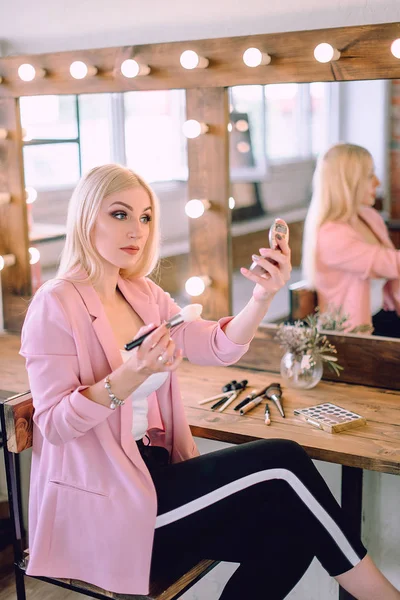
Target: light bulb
(3,134)
(79,70)
(31,195)
(253,57)
(27,72)
(242,125)
(191,60)
(395,48)
(230,127)
(324,53)
(7,260)
(131,68)
(195,208)
(26,136)
(195,286)
(35,256)
(243,147)
(232,202)
(192,128)
(5,198)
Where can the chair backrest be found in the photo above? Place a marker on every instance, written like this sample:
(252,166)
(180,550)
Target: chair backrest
(302,300)
(18,421)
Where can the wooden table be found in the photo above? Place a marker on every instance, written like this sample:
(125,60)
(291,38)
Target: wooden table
(374,447)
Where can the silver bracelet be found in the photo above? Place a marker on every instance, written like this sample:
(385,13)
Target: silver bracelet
(114,400)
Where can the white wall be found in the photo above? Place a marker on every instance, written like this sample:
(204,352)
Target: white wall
(51,25)
(364,120)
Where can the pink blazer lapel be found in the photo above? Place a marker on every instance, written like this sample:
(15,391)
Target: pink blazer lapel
(374,222)
(149,312)
(135,293)
(100,323)
(141,300)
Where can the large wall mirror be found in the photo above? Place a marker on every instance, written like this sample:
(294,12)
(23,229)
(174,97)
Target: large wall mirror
(277,133)
(274,131)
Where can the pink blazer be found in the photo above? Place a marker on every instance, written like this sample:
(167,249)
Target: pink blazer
(345,264)
(93,506)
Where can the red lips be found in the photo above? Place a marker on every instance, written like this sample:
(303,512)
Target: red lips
(131,249)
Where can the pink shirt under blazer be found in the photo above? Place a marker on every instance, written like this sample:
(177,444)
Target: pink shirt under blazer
(345,264)
(93,505)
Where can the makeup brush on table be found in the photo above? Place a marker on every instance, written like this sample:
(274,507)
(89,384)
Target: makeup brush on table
(190,313)
(274,393)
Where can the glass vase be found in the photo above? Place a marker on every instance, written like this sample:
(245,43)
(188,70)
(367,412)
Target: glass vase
(302,372)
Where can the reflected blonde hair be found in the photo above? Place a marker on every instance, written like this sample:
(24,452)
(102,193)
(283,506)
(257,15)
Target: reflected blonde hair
(79,250)
(339,186)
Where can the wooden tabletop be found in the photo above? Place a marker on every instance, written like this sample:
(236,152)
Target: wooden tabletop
(375,446)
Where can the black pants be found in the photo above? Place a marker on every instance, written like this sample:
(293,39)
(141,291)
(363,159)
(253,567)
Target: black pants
(263,505)
(386,323)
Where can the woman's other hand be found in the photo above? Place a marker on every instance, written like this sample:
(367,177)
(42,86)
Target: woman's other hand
(156,354)
(276,265)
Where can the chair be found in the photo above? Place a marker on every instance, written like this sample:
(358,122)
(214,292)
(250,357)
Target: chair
(16,415)
(302,301)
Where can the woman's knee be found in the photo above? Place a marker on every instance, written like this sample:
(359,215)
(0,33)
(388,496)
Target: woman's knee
(283,453)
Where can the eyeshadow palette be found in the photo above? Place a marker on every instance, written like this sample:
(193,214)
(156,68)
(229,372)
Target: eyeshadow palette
(330,417)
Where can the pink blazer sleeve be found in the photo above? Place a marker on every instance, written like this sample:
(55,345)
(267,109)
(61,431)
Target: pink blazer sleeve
(203,342)
(340,247)
(62,413)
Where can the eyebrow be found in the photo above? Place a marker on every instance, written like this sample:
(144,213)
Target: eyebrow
(127,206)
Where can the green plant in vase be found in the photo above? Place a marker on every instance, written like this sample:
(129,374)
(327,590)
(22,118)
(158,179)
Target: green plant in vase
(306,351)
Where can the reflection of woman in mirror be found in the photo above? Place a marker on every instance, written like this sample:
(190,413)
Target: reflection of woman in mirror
(346,246)
(119,492)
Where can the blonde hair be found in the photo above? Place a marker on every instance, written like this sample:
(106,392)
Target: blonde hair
(79,250)
(339,184)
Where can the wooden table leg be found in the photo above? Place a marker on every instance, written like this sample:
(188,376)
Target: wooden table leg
(352,487)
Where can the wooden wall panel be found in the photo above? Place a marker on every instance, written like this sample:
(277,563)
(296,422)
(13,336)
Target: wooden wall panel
(208,159)
(13,216)
(365,55)
(367,360)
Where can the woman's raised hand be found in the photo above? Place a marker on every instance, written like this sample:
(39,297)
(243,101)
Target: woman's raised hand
(276,266)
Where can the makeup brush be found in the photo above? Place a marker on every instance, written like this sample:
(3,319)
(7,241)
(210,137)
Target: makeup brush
(190,313)
(274,393)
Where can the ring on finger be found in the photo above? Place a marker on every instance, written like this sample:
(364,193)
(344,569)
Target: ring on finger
(162,359)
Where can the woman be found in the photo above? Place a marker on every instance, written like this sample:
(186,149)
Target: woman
(346,245)
(104,505)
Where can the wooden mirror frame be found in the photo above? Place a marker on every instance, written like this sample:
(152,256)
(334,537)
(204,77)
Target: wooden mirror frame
(365,54)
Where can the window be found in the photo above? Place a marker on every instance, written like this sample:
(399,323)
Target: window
(154,142)
(68,135)
(286,122)
(51,149)
(95,130)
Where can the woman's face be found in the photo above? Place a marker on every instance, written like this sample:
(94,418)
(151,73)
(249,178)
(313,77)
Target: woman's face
(123,227)
(371,185)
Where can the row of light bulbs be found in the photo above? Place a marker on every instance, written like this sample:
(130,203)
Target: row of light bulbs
(189,59)
(194,208)
(9,260)
(191,129)
(194,286)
